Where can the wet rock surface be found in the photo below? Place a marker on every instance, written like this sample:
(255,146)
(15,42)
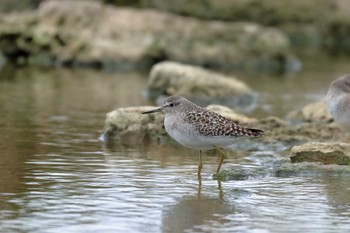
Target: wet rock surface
(310,169)
(283,168)
(89,33)
(240,173)
(322,152)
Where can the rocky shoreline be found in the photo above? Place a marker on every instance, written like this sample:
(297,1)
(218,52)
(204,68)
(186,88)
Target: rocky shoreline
(307,135)
(308,24)
(93,34)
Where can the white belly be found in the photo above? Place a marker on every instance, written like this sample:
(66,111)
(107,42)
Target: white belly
(339,108)
(186,136)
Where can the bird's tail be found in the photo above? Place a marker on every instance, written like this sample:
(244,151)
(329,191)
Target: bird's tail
(256,132)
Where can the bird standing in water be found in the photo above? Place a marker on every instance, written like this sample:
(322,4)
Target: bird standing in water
(200,129)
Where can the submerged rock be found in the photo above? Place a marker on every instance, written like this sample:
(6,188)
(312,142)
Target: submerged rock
(90,33)
(171,78)
(322,152)
(240,173)
(309,169)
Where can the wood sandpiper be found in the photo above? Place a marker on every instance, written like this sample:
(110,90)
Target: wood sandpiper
(338,101)
(200,129)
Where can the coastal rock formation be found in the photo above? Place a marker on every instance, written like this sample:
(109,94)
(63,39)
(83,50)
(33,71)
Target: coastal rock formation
(90,33)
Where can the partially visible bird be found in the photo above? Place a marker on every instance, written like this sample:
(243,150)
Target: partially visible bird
(338,101)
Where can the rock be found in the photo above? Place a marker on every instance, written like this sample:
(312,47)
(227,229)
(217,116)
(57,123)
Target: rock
(314,112)
(89,33)
(280,131)
(267,12)
(311,22)
(123,121)
(325,153)
(239,173)
(306,169)
(171,78)
(8,5)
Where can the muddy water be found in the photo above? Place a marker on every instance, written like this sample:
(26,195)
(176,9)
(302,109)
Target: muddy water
(56,176)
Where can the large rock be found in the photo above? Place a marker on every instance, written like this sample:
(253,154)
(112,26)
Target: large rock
(170,78)
(267,12)
(123,121)
(90,33)
(325,153)
(310,22)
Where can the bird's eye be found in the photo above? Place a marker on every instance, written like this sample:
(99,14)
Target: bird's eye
(171,105)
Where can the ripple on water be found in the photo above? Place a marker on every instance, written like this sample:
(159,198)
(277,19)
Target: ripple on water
(129,191)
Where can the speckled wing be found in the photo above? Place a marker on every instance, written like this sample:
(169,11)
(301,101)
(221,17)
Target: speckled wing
(212,124)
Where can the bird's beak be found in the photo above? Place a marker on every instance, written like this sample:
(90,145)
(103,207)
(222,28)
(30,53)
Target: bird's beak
(154,110)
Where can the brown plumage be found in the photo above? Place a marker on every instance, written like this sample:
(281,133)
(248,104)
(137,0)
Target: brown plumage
(198,128)
(209,123)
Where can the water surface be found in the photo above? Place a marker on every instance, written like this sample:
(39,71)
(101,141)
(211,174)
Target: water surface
(56,176)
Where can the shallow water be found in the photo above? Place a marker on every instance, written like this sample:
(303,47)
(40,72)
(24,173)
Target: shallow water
(56,176)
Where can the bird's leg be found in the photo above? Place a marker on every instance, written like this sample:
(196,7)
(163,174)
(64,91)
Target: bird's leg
(221,159)
(200,165)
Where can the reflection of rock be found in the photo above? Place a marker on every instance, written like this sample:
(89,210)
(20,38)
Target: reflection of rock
(191,212)
(91,33)
(309,169)
(337,192)
(325,153)
(314,112)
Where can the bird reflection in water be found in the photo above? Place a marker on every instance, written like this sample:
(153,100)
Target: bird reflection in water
(193,212)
